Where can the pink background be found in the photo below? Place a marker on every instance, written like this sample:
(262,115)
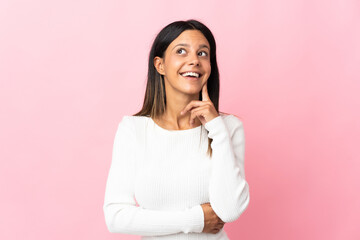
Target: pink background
(69,71)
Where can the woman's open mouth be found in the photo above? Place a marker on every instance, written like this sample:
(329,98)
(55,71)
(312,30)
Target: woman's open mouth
(191,75)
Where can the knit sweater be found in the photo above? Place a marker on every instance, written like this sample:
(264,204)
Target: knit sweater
(158,178)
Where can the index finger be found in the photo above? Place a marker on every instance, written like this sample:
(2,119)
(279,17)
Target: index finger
(205,94)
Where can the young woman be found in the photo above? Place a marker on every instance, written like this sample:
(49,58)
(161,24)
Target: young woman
(178,158)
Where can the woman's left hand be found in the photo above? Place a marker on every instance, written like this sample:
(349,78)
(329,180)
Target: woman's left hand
(204,110)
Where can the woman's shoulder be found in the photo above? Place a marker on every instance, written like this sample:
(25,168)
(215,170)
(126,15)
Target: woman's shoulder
(233,123)
(134,120)
(134,117)
(231,118)
(130,125)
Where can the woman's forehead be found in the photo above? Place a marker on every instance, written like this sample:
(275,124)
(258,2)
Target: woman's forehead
(191,38)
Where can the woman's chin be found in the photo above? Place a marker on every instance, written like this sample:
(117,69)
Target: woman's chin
(192,90)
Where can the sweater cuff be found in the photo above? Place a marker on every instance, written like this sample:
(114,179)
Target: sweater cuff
(195,220)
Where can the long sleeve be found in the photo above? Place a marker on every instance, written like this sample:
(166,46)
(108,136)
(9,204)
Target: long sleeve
(228,190)
(120,210)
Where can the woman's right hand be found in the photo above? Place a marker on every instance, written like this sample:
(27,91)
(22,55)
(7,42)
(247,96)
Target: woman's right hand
(212,223)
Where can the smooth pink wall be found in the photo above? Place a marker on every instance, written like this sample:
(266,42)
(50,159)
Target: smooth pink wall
(69,71)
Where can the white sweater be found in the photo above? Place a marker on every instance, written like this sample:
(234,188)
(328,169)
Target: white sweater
(169,175)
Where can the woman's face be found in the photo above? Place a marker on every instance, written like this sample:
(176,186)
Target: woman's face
(189,52)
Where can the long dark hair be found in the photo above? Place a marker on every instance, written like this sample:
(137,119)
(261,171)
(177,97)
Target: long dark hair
(155,99)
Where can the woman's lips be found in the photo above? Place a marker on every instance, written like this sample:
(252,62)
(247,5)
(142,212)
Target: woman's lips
(191,78)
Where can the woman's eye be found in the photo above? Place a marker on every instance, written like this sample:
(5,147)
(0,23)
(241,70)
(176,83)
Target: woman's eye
(204,52)
(178,51)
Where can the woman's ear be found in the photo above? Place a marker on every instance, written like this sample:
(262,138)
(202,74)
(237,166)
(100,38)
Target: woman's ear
(159,65)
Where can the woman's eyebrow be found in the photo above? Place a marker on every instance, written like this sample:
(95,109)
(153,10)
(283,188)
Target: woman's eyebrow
(187,45)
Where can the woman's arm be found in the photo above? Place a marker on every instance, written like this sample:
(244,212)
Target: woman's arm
(120,210)
(228,190)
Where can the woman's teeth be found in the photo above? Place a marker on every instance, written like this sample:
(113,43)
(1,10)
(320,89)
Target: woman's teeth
(190,74)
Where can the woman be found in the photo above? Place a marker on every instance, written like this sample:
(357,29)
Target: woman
(185,187)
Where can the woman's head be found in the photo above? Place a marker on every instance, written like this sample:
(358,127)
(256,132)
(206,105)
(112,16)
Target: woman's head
(167,63)
(189,53)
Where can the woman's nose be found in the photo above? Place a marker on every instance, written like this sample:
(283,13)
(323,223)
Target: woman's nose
(194,60)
